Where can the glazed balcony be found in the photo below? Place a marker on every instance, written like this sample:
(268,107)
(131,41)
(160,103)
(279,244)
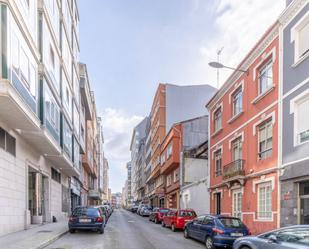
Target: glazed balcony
(87,163)
(234,170)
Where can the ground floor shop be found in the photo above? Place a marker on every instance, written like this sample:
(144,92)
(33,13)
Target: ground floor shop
(254,200)
(294,195)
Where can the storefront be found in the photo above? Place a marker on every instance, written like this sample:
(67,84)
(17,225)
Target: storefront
(75,193)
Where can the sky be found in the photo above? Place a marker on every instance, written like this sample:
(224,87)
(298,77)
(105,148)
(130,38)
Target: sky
(130,46)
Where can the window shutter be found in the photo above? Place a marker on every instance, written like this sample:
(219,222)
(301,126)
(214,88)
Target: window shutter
(302,112)
(304,40)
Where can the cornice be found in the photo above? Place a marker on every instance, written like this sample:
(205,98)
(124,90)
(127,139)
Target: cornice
(257,50)
(291,11)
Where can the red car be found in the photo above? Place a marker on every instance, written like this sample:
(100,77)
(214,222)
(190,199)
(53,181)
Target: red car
(157,214)
(176,219)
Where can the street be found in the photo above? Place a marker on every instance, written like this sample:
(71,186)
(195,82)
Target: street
(125,230)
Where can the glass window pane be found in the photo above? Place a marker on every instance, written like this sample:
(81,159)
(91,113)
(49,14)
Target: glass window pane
(304,40)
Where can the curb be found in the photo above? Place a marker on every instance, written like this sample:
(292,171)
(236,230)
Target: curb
(50,241)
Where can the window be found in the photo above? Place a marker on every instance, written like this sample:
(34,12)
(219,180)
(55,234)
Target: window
(264,201)
(56,176)
(169,150)
(52,57)
(237,149)
(176,175)
(237,102)
(265,77)
(52,112)
(163,158)
(218,162)
(303,36)
(265,139)
(302,122)
(7,142)
(169,180)
(237,203)
(67,139)
(218,119)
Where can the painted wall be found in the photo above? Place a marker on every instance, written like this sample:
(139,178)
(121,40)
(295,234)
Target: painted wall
(186,102)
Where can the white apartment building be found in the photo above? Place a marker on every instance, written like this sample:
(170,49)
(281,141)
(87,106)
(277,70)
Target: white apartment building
(39,111)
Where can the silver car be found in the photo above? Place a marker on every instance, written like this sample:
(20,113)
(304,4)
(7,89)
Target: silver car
(293,237)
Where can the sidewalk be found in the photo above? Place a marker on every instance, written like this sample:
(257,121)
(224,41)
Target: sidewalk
(34,238)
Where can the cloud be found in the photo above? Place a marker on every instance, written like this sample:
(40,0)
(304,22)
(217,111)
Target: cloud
(117,128)
(239,24)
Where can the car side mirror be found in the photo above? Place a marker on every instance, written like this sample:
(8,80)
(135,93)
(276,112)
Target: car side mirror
(272,238)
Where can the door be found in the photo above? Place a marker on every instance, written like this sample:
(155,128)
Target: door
(304,203)
(194,227)
(237,203)
(206,228)
(218,203)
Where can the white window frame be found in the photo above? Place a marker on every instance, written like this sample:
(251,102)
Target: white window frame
(259,187)
(265,123)
(219,126)
(295,38)
(215,160)
(236,210)
(269,66)
(169,150)
(294,110)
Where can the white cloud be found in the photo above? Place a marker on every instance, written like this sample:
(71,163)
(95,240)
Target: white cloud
(117,128)
(239,25)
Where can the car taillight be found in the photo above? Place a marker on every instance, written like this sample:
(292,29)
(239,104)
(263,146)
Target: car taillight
(99,219)
(218,231)
(249,232)
(71,219)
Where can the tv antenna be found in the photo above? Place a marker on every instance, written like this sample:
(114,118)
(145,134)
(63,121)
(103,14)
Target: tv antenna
(219,51)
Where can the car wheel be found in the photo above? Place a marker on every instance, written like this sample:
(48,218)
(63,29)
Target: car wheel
(72,230)
(173,228)
(209,243)
(245,247)
(186,233)
(163,224)
(156,221)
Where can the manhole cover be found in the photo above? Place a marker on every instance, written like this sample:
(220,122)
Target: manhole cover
(44,231)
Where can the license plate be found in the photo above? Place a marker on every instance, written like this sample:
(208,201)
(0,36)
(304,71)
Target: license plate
(84,220)
(237,234)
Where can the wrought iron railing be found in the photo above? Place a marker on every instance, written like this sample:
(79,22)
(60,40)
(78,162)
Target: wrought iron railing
(235,168)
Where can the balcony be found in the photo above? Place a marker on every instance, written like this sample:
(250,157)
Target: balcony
(18,109)
(234,171)
(94,194)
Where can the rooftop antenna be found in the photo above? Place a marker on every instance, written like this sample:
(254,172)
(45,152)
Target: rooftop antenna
(218,60)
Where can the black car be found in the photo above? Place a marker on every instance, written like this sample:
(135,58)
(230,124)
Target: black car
(86,218)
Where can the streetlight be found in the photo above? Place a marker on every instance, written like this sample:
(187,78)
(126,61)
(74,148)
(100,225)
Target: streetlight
(218,65)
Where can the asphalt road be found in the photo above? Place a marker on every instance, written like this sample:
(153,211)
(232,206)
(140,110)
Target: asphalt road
(125,230)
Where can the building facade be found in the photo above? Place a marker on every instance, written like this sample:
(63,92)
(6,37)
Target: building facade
(172,104)
(294,108)
(43,112)
(194,180)
(243,142)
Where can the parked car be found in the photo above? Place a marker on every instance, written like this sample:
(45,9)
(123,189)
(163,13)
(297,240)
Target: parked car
(134,208)
(216,230)
(157,214)
(109,210)
(104,213)
(140,206)
(176,219)
(293,237)
(86,218)
(145,211)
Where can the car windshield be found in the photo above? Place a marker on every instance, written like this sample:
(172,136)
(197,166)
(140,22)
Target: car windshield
(295,236)
(86,212)
(187,213)
(231,222)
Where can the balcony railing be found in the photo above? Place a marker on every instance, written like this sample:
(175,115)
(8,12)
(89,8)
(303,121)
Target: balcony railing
(233,169)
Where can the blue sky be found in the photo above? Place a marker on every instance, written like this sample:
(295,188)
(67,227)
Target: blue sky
(130,46)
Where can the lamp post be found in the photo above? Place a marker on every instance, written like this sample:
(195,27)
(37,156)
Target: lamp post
(218,65)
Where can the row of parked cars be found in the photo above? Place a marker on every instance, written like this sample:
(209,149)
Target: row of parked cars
(225,231)
(90,218)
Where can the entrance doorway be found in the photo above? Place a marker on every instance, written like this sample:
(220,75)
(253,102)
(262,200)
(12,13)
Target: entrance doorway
(218,203)
(304,202)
